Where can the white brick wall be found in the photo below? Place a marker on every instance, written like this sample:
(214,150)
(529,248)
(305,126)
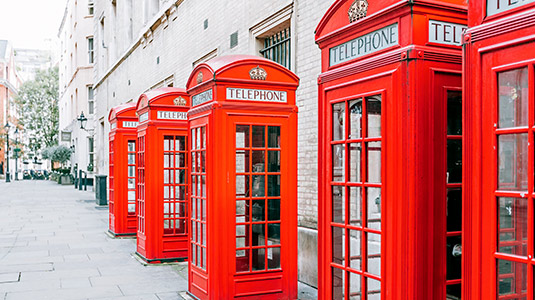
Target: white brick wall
(185,40)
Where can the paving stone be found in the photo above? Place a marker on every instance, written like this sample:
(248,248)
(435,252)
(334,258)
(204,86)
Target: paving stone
(9,277)
(27,268)
(71,283)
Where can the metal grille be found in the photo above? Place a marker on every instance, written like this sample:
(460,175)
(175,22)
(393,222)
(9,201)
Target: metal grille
(277,47)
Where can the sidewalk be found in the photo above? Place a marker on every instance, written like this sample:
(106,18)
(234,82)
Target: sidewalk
(53,245)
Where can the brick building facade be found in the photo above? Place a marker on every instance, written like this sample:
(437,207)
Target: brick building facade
(144,44)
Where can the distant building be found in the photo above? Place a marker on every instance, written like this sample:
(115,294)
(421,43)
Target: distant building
(29,61)
(76,82)
(9,85)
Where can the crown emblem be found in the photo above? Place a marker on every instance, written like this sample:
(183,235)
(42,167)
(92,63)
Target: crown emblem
(258,73)
(357,10)
(179,101)
(199,77)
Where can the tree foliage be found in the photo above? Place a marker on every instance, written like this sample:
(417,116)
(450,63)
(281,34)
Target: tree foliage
(61,154)
(37,101)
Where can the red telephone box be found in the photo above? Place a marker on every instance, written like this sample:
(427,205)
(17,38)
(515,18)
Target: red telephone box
(499,116)
(162,190)
(122,177)
(243,147)
(389,150)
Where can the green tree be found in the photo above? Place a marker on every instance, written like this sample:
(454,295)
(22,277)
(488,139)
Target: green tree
(37,102)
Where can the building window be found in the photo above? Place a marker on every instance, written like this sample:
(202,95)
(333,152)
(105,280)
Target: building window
(91,150)
(90,100)
(234,40)
(90,8)
(277,47)
(90,50)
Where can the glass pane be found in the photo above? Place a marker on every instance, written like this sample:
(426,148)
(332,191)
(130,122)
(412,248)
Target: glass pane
(374,289)
(259,160)
(355,206)
(242,161)
(242,186)
(338,163)
(193,256)
(242,230)
(513,162)
(339,120)
(454,210)
(259,234)
(513,98)
(453,292)
(180,176)
(274,258)
(455,110)
(131,208)
(131,183)
(258,188)
(242,260)
(193,146)
(374,253)
(338,245)
(203,204)
(274,185)
(131,171)
(258,210)
(193,165)
(274,207)
(373,108)
(242,210)
(131,159)
(512,280)
(259,259)
(453,257)
(354,162)
(131,146)
(131,195)
(455,162)
(180,160)
(166,176)
(274,161)
(374,162)
(180,193)
(274,136)
(354,286)
(513,225)
(355,245)
(355,119)
(338,204)
(259,136)
(203,137)
(242,136)
(338,284)
(274,234)
(374,208)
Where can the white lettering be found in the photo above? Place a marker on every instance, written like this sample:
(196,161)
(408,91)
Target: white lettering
(144,117)
(446,33)
(366,44)
(202,97)
(172,115)
(256,95)
(499,6)
(130,124)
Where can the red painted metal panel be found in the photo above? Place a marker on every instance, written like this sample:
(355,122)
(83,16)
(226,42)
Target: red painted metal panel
(392,244)
(243,153)
(122,217)
(162,175)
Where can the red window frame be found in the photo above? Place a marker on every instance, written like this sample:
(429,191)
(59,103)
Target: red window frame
(131,177)
(343,267)
(140,191)
(198,199)
(521,265)
(175,184)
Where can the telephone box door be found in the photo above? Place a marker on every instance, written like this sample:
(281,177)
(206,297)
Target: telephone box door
(507,176)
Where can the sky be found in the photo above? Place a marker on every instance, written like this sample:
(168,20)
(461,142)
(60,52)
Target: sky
(29,23)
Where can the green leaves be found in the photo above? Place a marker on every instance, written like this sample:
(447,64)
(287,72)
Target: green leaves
(37,101)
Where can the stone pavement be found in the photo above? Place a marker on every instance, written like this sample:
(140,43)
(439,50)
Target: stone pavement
(53,245)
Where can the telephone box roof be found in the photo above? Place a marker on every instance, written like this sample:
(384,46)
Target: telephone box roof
(150,97)
(128,109)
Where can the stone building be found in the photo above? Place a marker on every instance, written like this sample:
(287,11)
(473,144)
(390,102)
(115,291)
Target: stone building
(76,81)
(145,44)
